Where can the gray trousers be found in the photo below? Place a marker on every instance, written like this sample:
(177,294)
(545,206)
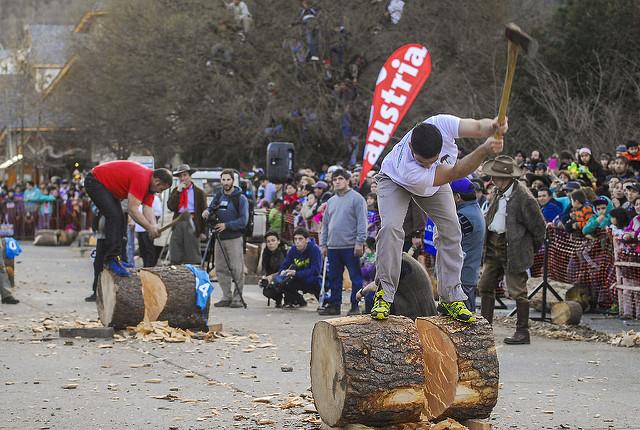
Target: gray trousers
(184,247)
(233,249)
(4,282)
(393,202)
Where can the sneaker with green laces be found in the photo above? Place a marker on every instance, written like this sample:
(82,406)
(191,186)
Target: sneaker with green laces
(456,310)
(381,307)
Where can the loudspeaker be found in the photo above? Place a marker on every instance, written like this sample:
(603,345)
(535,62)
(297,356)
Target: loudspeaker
(280,162)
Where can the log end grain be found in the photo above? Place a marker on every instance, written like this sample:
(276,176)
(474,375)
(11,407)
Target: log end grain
(366,371)
(567,312)
(119,300)
(476,364)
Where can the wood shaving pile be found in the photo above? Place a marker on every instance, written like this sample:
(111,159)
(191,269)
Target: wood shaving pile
(50,324)
(577,332)
(150,331)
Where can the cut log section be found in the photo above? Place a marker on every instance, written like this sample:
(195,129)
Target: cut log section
(461,368)
(170,295)
(152,294)
(580,294)
(119,300)
(366,371)
(567,312)
(47,237)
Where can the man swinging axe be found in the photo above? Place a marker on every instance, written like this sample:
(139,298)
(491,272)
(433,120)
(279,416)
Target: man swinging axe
(421,167)
(109,183)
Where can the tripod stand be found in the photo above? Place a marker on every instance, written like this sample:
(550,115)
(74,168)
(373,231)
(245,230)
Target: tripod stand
(544,285)
(208,259)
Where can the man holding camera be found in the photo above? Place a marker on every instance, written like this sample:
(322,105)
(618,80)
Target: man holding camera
(184,246)
(229,212)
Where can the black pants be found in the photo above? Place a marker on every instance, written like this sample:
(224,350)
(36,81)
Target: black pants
(148,252)
(98,263)
(292,290)
(110,208)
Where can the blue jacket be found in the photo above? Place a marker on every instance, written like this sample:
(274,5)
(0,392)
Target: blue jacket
(552,210)
(473,227)
(307,264)
(234,218)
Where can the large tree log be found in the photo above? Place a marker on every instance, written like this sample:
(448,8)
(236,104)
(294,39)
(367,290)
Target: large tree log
(47,237)
(119,300)
(152,294)
(580,294)
(566,312)
(170,295)
(366,371)
(461,368)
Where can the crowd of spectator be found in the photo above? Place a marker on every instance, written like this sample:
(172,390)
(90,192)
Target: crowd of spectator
(54,204)
(575,192)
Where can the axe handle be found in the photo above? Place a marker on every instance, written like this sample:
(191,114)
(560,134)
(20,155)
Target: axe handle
(512,59)
(183,217)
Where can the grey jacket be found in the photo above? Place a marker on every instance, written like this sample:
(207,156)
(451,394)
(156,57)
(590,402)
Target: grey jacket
(344,223)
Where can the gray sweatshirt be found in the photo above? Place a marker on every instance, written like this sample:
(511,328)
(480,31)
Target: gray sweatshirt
(344,223)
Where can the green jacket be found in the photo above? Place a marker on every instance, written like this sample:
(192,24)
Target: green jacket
(592,224)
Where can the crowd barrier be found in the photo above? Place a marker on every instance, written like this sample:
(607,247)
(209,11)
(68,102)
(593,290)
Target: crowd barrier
(594,265)
(26,219)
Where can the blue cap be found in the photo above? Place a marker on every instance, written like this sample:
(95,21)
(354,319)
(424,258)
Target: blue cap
(463,185)
(572,185)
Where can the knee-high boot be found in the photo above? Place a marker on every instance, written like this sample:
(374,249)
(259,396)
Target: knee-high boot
(487,304)
(521,336)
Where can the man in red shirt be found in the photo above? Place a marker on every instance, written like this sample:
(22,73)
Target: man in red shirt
(111,182)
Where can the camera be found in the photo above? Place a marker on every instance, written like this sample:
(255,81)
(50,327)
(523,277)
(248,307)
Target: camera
(213,216)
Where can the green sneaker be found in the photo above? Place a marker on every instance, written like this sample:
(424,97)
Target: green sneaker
(456,310)
(381,307)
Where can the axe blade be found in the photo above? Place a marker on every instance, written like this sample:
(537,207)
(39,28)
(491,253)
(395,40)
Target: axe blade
(526,43)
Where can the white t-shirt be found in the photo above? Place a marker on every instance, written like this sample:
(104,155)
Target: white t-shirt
(404,170)
(395,10)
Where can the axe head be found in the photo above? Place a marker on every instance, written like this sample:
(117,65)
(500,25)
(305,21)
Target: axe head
(526,43)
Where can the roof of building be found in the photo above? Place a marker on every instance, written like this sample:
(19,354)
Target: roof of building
(21,106)
(50,44)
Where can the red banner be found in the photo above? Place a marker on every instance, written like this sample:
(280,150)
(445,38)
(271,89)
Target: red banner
(399,82)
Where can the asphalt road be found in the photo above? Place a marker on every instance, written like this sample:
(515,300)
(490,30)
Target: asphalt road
(549,384)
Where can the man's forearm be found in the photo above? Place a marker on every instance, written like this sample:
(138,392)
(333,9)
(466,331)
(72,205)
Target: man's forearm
(140,219)
(149,216)
(467,165)
(485,126)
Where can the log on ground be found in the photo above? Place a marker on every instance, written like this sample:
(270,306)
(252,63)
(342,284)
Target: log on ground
(461,368)
(567,312)
(367,372)
(580,294)
(170,295)
(152,294)
(119,300)
(47,237)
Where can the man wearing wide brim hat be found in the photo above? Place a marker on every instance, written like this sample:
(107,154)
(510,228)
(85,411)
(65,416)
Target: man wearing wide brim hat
(184,246)
(515,231)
